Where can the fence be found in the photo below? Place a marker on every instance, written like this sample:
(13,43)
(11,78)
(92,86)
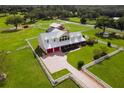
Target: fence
(98,80)
(102,58)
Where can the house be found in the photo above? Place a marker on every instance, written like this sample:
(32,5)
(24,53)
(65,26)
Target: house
(58,39)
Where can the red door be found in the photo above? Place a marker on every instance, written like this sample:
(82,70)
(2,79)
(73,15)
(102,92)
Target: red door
(50,50)
(56,49)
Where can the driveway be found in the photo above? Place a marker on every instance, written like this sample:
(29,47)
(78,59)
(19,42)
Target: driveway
(55,62)
(58,61)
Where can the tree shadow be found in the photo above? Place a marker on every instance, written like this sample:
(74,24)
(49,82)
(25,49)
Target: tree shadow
(10,30)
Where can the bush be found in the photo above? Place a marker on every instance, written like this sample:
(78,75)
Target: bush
(96,57)
(80,64)
(109,44)
(83,21)
(100,52)
(91,41)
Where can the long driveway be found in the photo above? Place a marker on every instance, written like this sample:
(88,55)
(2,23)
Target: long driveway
(82,77)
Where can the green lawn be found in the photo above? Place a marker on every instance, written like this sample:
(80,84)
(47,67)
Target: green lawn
(77,20)
(2,23)
(84,54)
(24,71)
(111,70)
(91,21)
(74,19)
(12,40)
(60,73)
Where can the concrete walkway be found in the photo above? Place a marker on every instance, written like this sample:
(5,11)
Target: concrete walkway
(83,77)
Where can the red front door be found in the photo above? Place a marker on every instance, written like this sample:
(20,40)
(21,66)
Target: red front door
(50,50)
(56,49)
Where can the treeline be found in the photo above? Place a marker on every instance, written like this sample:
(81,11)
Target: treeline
(102,14)
(65,11)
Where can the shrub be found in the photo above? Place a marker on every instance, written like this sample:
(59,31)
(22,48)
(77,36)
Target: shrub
(83,21)
(100,52)
(109,44)
(80,64)
(91,41)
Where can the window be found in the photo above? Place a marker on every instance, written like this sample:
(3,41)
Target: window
(63,38)
(54,40)
(47,41)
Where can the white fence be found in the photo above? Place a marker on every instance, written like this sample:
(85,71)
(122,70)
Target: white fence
(40,60)
(102,58)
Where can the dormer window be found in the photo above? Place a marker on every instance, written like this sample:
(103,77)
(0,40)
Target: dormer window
(63,38)
(47,41)
(54,40)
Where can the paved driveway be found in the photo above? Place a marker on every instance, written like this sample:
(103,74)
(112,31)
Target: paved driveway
(55,62)
(58,61)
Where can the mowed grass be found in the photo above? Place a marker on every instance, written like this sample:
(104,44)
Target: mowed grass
(23,71)
(111,70)
(60,73)
(12,40)
(74,19)
(2,23)
(84,54)
(77,20)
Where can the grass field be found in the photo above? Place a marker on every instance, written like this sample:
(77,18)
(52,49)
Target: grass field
(84,54)
(24,71)
(77,20)
(60,73)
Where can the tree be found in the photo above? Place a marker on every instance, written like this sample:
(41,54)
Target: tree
(14,20)
(80,64)
(102,22)
(83,20)
(120,23)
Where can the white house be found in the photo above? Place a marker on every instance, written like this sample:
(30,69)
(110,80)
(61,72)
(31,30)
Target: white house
(58,39)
